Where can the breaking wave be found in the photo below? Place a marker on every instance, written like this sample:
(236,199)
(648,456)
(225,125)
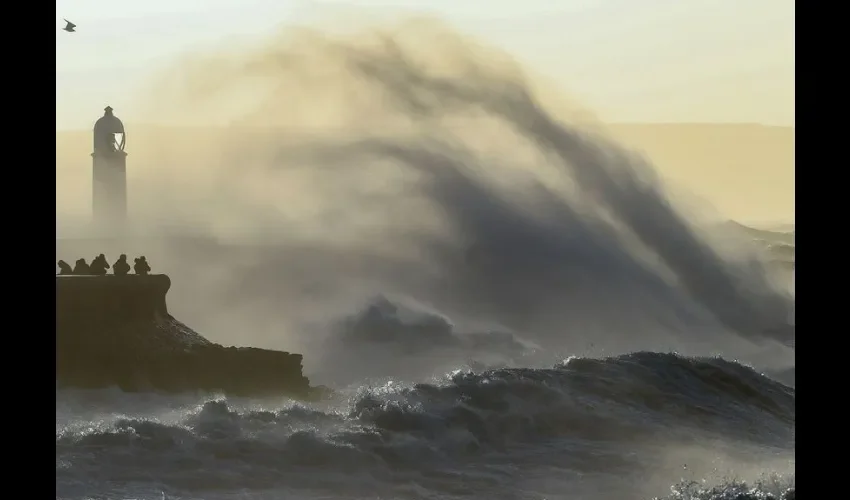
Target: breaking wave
(465,435)
(449,221)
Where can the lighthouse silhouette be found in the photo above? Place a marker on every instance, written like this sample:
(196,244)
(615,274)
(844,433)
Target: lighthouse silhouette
(109,173)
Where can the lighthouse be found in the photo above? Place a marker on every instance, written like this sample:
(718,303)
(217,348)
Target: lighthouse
(109,173)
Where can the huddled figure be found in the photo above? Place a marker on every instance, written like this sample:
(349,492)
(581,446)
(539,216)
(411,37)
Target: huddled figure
(121,268)
(99,267)
(81,268)
(65,268)
(141,266)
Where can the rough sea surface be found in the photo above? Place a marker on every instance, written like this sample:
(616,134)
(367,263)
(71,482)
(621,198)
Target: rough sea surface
(507,306)
(623,427)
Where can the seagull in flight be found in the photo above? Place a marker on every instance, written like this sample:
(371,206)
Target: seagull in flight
(69,27)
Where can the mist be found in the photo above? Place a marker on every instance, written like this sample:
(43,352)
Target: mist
(407,164)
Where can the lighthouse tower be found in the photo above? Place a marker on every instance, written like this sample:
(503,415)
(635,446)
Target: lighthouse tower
(109,173)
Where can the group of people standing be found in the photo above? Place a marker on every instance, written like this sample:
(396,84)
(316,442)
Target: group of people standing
(99,266)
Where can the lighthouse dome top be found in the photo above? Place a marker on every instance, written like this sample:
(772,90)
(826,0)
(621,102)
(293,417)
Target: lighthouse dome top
(109,133)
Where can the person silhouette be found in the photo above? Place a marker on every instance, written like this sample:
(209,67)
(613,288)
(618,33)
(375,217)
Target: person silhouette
(121,268)
(81,268)
(141,266)
(99,265)
(64,268)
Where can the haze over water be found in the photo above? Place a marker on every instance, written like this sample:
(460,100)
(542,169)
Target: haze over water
(495,286)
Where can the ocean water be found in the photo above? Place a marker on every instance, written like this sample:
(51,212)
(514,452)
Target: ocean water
(634,426)
(515,309)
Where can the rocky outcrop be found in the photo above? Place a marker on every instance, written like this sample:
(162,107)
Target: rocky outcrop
(116,331)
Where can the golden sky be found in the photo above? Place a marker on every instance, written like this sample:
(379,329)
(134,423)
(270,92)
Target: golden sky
(628,60)
(645,61)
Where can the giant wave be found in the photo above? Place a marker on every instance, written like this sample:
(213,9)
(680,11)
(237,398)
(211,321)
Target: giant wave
(449,221)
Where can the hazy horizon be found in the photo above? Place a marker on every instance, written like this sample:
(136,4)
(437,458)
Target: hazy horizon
(699,158)
(152,124)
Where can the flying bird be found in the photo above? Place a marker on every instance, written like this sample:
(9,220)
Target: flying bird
(69,27)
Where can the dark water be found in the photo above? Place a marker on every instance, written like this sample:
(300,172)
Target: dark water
(500,327)
(630,426)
